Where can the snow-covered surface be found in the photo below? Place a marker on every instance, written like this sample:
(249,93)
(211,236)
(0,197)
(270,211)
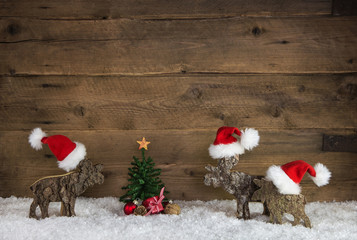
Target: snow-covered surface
(103,218)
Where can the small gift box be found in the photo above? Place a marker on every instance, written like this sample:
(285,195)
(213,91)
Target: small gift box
(154,204)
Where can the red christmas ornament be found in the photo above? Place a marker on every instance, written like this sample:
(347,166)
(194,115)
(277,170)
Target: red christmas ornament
(129,208)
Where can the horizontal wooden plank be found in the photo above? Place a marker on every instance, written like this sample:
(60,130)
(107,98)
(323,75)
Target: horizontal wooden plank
(178,102)
(181,155)
(160,9)
(141,47)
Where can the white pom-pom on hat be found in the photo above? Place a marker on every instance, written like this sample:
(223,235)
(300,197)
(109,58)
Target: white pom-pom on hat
(249,138)
(35,138)
(323,175)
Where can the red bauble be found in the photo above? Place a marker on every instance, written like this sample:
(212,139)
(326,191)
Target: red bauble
(129,208)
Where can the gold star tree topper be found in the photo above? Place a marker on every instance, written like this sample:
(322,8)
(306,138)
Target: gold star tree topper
(143,144)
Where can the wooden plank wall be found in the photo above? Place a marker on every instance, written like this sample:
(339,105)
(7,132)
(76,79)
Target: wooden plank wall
(108,72)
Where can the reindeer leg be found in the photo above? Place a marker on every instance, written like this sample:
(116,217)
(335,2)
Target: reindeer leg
(240,203)
(266,209)
(71,206)
(272,217)
(44,209)
(67,212)
(279,218)
(306,221)
(64,209)
(246,212)
(33,207)
(296,220)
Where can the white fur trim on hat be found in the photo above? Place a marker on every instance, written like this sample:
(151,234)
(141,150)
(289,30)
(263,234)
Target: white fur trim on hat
(72,159)
(35,138)
(322,175)
(225,150)
(249,138)
(282,181)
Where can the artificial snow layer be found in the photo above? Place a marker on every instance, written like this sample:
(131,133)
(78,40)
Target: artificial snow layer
(103,218)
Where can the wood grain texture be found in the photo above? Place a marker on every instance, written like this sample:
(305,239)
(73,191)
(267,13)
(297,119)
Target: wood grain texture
(141,47)
(181,155)
(178,102)
(160,9)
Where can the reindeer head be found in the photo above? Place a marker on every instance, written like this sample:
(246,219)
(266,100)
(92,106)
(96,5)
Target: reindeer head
(89,174)
(266,188)
(226,164)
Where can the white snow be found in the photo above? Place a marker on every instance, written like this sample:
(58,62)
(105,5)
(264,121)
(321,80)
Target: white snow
(103,218)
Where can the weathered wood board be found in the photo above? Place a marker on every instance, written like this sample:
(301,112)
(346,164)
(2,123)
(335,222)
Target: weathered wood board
(178,102)
(160,9)
(139,47)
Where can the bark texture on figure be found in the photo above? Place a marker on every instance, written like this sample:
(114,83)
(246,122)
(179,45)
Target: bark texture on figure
(278,203)
(65,188)
(239,184)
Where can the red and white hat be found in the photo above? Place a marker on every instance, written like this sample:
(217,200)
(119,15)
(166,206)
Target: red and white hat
(68,153)
(226,145)
(287,177)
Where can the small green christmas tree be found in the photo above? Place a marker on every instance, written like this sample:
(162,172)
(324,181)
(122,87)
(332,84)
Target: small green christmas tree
(144,178)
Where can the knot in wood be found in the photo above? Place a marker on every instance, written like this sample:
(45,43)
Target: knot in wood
(257,31)
(13,29)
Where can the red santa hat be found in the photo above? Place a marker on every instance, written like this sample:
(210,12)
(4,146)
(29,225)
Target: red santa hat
(226,145)
(287,177)
(68,153)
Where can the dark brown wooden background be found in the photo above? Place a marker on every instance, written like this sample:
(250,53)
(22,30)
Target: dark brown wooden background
(108,72)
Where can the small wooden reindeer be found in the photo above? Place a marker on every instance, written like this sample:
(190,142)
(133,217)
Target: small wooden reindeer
(278,203)
(226,149)
(239,184)
(65,188)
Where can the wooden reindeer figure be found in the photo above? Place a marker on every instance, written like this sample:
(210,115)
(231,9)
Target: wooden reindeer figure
(226,149)
(278,203)
(65,188)
(281,189)
(239,184)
